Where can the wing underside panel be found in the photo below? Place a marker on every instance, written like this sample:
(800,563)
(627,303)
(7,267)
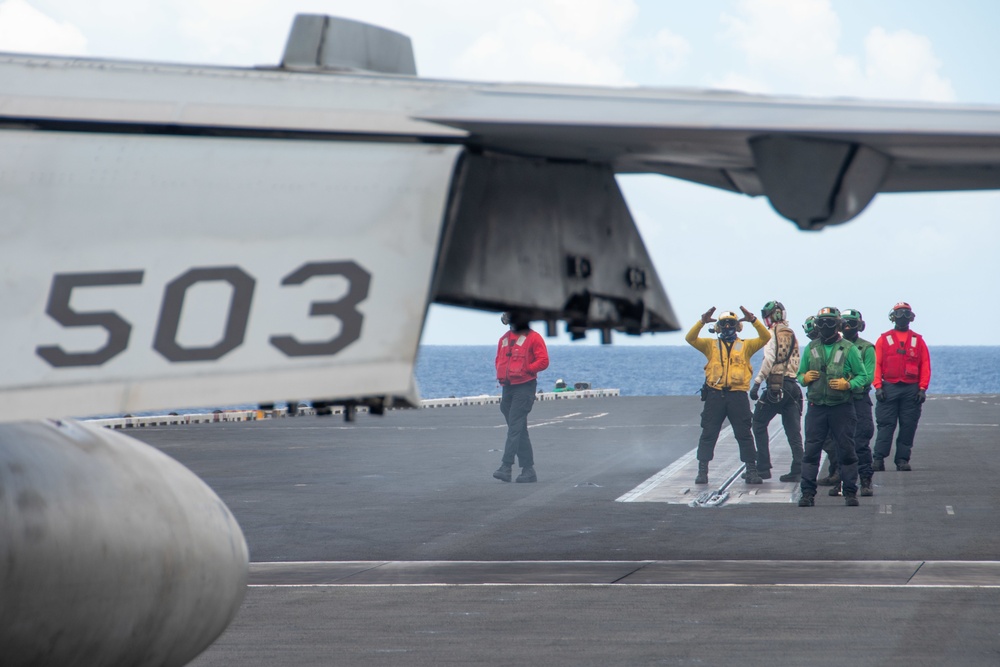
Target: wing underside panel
(553,239)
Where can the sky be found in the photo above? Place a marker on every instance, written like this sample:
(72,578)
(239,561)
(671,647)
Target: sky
(936,251)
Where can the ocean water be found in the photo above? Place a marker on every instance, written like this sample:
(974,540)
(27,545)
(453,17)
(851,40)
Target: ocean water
(445,371)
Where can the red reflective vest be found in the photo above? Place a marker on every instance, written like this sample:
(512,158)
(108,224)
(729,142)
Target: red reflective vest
(902,356)
(520,357)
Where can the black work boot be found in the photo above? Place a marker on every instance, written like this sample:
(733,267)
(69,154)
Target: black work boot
(752,476)
(503,473)
(764,474)
(851,500)
(527,475)
(903,465)
(866,487)
(832,480)
(807,500)
(790,477)
(702,477)
(834,490)
(878,465)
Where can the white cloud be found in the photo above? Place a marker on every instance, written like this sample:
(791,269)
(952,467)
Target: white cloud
(668,50)
(901,64)
(552,41)
(561,41)
(783,33)
(786,46)
(25,29)
(794,47)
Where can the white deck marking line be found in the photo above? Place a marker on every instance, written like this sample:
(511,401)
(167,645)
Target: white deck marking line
(957,574)
(772,490)
(560,420)
(665,486)
(960,424)
(658,477)
(620,584)
(667,472)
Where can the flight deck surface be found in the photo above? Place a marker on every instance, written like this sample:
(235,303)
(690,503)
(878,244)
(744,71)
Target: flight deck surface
(386,541)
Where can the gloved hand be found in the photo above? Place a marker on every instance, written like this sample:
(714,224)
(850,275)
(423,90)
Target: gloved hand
(880,394)
(810,377)
(840,384)
(707,316)
(755,391)
(921,396)
(747,316)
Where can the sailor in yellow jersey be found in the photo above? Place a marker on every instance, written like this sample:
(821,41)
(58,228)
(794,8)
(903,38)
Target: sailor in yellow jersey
(727,380)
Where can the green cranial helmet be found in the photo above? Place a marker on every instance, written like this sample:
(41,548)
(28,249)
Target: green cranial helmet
(809,326)
(828,311)
(853,320)
(828,323)
(773,311)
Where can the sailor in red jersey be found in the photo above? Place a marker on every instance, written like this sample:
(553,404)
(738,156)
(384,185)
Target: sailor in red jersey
(902,375)
(521,356)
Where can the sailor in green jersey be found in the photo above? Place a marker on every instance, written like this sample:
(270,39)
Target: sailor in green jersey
(852,325)
(833,477)
(831,369)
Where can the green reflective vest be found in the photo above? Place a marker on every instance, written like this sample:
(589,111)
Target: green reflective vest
(819,391)
(863,350)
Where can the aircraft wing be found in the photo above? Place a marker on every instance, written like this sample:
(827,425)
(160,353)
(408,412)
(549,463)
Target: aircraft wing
(182,235)
(819,162)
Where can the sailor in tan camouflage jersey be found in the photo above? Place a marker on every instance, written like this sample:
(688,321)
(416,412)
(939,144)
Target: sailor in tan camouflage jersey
(782,394)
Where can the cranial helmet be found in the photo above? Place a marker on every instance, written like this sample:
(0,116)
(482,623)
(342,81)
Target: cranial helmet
(729,316)
(828,323)
(828,311)
(900,311)
(728,326)
(773,311)
(809,326)
(852,319)
(517,319)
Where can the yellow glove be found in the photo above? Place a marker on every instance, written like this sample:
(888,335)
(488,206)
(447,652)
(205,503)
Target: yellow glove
(810,376)
(840,384)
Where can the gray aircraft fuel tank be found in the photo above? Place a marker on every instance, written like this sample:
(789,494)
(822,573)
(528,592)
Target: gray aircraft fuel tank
(112,552)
